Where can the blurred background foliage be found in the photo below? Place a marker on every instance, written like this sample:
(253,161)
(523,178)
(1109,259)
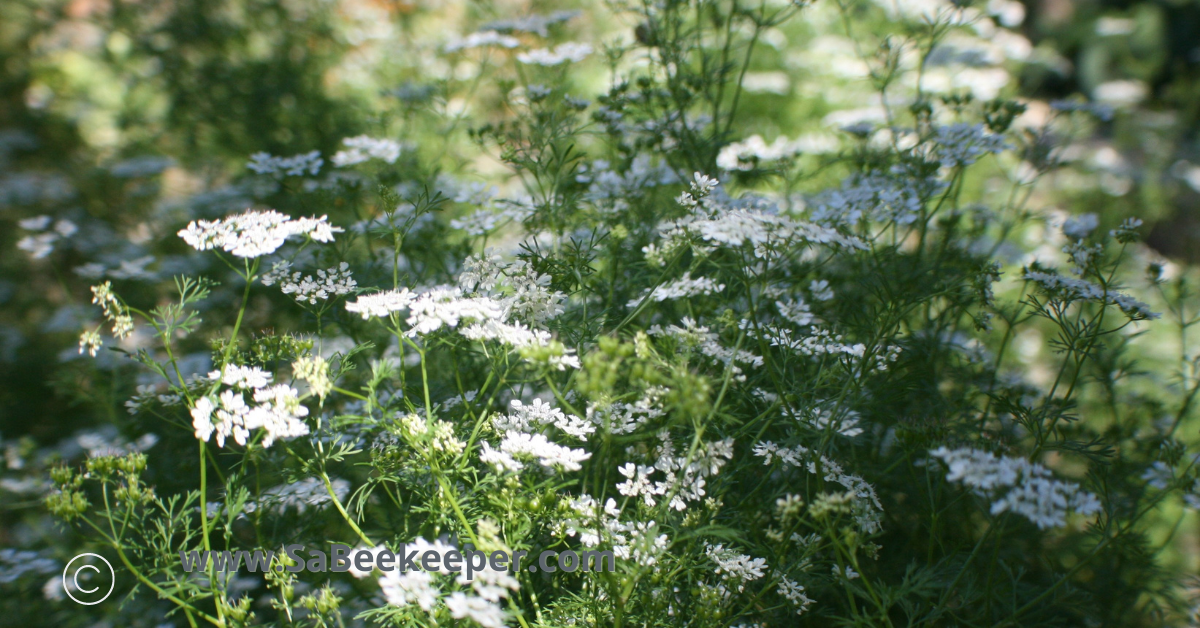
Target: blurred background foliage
(125,119)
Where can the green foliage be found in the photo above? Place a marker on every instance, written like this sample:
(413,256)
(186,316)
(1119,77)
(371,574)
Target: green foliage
(863,377)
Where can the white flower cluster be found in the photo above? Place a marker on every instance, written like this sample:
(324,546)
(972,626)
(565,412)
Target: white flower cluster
(717,220)
(294,166)
(254,233)
(488,587)
(537,24)
(826,418)
(823,342)
(429,311)
(819,342)
(519,445)
(41,242)
(1017,485)
(277,410)
(754,151)
(734,567)
(481,39)
(145,394)
(365,148)
(624,418)
(520,290)
(381,304)
(796,311)
(528,417)
(327,283)
(1073,289)
(963,144)
(794,593)
(706,342)
(445,306)
(439,435)
(867,509)
(606,184)
(595,524)
(494,308)
(686,480)
(898,197)
(1161,476)
(1078,227)
(844,573)
(573,52)
(315,371)
(299,496)
(820,290)
(681,288)
(487,220)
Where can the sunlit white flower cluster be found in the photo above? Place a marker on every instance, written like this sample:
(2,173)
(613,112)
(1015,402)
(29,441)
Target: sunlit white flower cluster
(528,417)
(429,311)
(572,52)
(755,152)
(277,409)
(254,233)
(365,148)
(517,446)
(1017,485)
(717,220)
(683,479)
(734,567)
(600,524)
(479,602)
(309,289)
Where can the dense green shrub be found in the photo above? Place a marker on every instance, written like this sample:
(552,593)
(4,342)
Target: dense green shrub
(862,374)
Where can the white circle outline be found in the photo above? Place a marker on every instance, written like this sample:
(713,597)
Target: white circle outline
(75,579)
(76,576)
